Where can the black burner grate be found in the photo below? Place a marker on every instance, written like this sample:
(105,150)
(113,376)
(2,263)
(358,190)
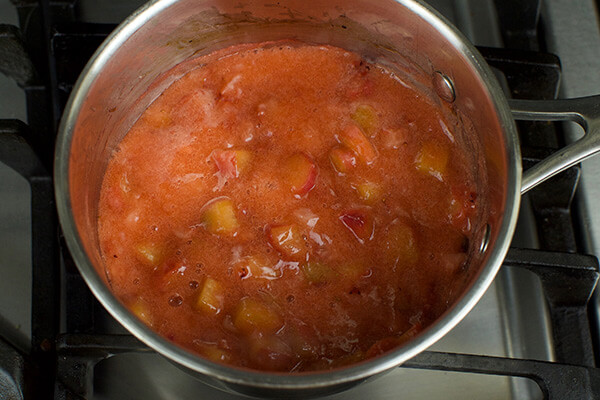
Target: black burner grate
(60,364)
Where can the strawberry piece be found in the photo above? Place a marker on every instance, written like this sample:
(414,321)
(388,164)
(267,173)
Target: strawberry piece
(360,223)
(231,163)
(300,173)
(356,141)
(256,267)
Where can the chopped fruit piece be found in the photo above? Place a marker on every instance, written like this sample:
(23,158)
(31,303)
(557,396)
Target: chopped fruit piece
(210,299)
(257,267)
(342,158)
(218,216)
(288,240)
(231,163)
(360,223)
(353,270)
(348,359)
(174,271)
(366,118)
(400,244)
(214,353)
(433,159)
(317,273)
(394,138)
(356,141)
(300,173)
(302,340)
(369,192)
(141,310)
(271,353)
(150,253)
(157,119)
(253,315)
(307,217)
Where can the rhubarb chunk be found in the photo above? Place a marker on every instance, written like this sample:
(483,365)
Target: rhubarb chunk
(141,310)
(353,271)
(317,273)
(369,192)
(366,118)
(288,240)
(433,159)
(231,163)
(218,217)
(151,254)
(400,244)
(356,141)
(342,159)
(211,297)
(214,353)
(252,315)
(300,173)
(360,223)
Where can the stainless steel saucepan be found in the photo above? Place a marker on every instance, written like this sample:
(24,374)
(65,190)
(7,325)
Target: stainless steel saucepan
(126,74)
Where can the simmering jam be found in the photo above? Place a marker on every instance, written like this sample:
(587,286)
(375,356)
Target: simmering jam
(288,207)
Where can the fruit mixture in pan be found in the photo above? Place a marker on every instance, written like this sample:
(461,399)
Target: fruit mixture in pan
(288,207)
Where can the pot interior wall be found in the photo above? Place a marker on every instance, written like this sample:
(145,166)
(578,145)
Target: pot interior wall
(128,76)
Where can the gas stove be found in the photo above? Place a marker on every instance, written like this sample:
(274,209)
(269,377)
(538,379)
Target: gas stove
(535,333)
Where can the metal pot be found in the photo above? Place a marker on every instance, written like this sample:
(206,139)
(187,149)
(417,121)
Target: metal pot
(125,76)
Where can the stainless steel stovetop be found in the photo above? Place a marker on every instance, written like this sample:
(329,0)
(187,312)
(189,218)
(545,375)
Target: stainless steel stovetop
(510,320)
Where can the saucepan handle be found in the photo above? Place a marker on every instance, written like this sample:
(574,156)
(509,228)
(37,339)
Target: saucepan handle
(583,110)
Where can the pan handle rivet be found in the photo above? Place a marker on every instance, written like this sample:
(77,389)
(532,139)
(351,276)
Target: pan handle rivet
(444,87)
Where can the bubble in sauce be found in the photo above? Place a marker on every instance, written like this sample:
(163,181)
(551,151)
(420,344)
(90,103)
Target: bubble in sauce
(175,300)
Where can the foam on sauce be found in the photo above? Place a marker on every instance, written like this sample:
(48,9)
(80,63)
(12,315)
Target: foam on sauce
(288,207)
